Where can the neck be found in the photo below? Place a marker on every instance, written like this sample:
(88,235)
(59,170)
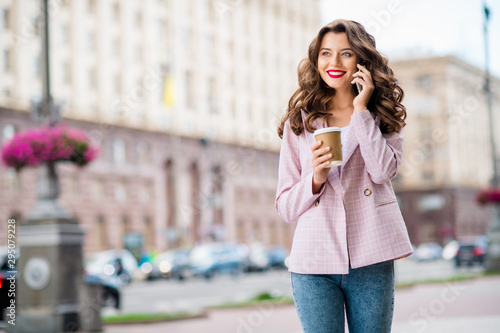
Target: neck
(342,100)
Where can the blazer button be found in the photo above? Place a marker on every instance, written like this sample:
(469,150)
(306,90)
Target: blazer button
(316,203)
(368,192)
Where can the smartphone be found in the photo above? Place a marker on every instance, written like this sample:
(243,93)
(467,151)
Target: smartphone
(358,86)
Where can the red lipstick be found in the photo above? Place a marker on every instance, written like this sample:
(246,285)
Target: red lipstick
(335,74)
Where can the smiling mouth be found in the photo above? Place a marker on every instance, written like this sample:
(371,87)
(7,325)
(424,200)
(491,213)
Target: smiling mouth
(336,74)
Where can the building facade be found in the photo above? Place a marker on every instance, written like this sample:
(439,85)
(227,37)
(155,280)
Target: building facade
(447,150)
(184,98)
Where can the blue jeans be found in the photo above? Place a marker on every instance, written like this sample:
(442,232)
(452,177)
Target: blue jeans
(366,294)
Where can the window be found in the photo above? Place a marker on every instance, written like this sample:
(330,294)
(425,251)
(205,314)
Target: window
(428,176)
(138,19)
(148,233)
(116,11)
(119,151)
(8,132)
(118,83)
(143,153)
(160,26)
(66,73)
(121,192)
(101,235)
(37,63)
(13,182)
(5,18)
(424,82)
(72,185)
(145,193)
(92,6)
(7,63)
(212,95)
(116,47)
(92,78)
(64,34)
(98,189)
(431,202)
(90,41)
(190,95)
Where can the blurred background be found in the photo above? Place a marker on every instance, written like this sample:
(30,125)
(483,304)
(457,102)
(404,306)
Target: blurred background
(183,98)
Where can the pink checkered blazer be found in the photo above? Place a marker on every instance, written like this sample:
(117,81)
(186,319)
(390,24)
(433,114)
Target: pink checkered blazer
(355,218)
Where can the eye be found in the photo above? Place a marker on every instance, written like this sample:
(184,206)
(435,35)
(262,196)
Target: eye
(325,53)
(347,54)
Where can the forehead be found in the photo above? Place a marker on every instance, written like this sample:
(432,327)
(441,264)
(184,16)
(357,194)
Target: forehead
(334,40)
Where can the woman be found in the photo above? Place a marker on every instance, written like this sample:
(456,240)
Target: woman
(349,228)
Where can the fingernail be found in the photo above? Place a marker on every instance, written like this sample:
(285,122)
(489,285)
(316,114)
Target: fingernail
(329,155)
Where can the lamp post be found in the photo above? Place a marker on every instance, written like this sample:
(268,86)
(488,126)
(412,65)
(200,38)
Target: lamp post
(50,269)
(493,233)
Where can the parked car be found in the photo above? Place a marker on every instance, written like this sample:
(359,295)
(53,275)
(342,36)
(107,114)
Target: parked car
(112,264)
(7,281)
(256,259)
(450,249)
(211,259)
(428,251)
(170,264)
(277,256)
(109,294)
(470,253)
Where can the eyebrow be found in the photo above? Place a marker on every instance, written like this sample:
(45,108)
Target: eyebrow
(325,48)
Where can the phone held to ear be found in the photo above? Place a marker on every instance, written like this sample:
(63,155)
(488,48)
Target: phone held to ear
(358,86)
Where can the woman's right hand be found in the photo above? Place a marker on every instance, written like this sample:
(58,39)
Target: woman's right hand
(320,161)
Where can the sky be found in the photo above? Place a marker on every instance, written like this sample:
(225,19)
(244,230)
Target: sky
(411,28)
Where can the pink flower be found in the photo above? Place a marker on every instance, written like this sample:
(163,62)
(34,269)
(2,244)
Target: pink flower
(488,196)
(48,144)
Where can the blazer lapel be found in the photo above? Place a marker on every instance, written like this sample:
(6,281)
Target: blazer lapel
(350,146)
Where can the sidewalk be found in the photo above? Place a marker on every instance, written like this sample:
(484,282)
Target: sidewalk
(459,307)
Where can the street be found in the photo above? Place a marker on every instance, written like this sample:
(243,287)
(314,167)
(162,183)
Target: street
(195,294)
(459,307)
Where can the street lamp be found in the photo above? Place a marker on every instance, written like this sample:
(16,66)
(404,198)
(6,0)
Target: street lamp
(51,269)
(493,233)
(489,99)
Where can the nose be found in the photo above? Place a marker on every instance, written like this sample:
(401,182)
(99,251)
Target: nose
(336,61)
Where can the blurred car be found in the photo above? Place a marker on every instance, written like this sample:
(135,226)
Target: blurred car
(211,259)
(169,264)
(256,259)
(7,278)
(112,265)
(450,249)
(277,256)
(428,251)
(470,253)
(109,293)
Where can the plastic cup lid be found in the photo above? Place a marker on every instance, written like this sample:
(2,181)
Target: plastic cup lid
(327,130)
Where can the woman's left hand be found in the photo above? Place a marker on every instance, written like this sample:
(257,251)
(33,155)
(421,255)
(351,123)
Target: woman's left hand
(364,78)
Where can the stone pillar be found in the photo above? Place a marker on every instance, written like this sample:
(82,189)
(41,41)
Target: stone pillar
(50,268)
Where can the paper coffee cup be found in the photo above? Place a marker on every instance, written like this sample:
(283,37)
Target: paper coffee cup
(330,137)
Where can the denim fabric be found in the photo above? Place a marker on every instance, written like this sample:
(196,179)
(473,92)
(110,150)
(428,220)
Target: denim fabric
(366,294)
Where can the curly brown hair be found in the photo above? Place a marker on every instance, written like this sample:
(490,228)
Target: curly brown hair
(313,93)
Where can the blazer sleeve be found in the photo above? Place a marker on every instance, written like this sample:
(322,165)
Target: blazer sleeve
(294,194)
(382,153)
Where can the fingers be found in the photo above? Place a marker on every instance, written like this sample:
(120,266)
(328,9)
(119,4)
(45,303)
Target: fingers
(316,145)
(322,161)
(320,156)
